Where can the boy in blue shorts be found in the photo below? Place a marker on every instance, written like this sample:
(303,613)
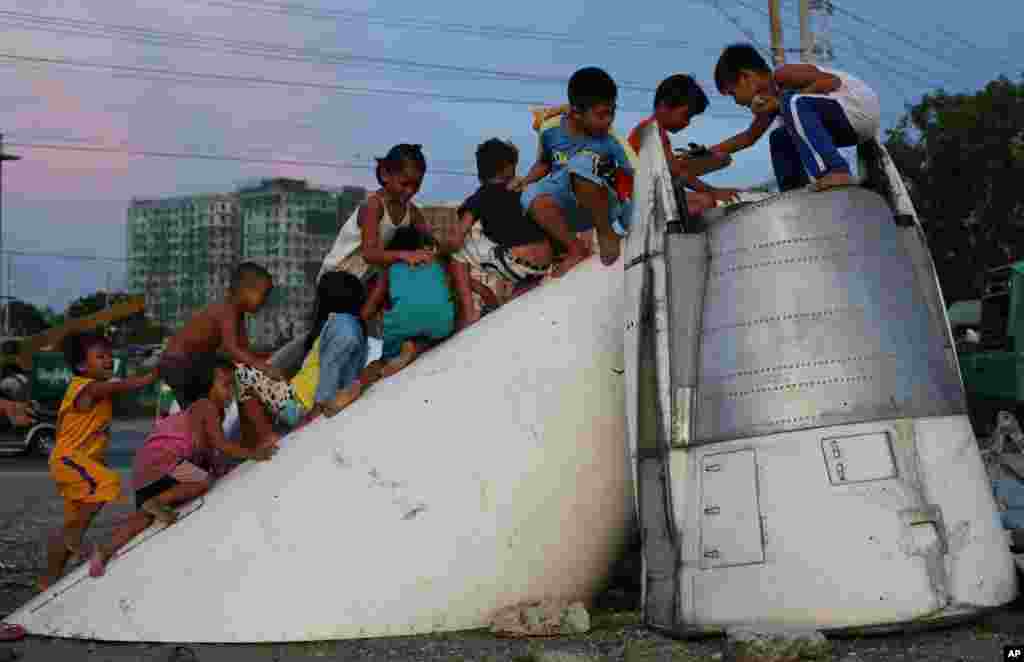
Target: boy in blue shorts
(576,164)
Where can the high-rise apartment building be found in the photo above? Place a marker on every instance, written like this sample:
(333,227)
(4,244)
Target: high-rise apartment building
(182,250)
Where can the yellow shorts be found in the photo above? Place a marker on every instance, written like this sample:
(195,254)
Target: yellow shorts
(81,480)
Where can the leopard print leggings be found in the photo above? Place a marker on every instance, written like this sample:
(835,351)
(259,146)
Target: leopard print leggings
(253,383)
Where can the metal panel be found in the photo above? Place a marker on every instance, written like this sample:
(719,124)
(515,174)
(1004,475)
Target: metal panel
(686,262)
(730,525)
(661,555)
(813,316)
(858,459)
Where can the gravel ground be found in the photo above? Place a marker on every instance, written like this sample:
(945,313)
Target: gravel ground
(29,506)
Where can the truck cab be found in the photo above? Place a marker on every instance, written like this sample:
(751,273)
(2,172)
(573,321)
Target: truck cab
(993,368)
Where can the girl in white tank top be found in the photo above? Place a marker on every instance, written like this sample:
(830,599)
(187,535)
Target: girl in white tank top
(360,248)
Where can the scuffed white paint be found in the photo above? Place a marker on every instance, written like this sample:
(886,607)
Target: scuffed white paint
(488,473)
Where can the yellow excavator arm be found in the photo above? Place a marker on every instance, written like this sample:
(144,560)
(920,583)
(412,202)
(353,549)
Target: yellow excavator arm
(53,337)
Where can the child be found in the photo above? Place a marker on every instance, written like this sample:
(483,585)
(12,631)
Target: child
(220,326)
(421,306)
(328,381)
(677,101)
(512,251)
(360,246)
(576,162)
(175,462)
(83,434)
(821,110)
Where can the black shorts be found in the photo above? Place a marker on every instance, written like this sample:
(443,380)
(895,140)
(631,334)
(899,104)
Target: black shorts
(153,489)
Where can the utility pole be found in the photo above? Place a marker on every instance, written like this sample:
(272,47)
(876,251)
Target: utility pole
(3,157)
(806,36)
(775,17)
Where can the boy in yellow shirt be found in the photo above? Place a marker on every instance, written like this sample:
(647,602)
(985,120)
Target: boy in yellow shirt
(83,434)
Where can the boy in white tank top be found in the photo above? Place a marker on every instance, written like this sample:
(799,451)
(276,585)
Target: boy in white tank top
(812,111)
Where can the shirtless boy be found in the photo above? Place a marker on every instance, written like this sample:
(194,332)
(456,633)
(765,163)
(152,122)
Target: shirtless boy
(219,327)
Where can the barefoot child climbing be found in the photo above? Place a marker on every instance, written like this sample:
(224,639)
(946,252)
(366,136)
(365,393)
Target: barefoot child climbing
(175,462)
(220,326)
(83,434)
(815,111)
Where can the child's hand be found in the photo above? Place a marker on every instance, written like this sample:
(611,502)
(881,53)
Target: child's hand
(517,184)
(726,195)
(762,104)
(417,258)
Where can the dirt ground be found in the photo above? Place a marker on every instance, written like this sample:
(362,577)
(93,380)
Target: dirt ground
(29,506)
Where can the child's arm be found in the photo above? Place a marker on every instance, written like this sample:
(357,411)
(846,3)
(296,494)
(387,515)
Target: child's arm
(207,423)
(373,250)
(101,390)
(461,283)
(745,139)
(806,78)
(235,341)
(375,298)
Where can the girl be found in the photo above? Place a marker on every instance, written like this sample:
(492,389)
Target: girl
(422,305)
(360,246)
(336,349)
(175,462)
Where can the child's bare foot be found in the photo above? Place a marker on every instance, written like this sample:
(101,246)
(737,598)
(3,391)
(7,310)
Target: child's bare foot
(268,440)
(577,252)
(159,511)
(832,180)
(406,356)
(609,244)
(43,584)
(98,562)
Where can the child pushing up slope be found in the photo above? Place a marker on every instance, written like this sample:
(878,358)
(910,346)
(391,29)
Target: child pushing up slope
(176,461)
(220,326)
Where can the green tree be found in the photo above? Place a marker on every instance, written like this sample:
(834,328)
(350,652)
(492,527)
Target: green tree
(961,156)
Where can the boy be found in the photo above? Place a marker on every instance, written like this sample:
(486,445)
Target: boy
(511,251)
(677,101)
(219,326)
(577,160)
(83,434)
(815,111)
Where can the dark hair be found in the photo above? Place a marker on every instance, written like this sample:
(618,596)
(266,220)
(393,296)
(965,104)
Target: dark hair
(734,59)
(492,156)
(77,346)
(681,90)
(248,274)
(408,238)
(337,292)
(590,86)
(398,156)
(202,377)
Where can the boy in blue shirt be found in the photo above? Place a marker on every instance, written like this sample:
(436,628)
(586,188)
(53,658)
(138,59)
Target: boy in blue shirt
(576,163)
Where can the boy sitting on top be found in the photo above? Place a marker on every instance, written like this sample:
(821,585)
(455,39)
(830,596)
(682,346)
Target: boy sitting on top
(576,165)
(677,101)
(815,111)
(511,252)
(192,352)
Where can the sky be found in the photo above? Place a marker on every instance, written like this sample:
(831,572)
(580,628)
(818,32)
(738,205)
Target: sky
(75,203)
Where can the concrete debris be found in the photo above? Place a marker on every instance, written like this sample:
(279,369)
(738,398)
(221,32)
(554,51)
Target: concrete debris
(766,644)
(545,618)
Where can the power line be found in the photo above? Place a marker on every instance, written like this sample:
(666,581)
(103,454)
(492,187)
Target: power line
(220,157)
(896,35)
(69,256)
(489,31)
(171,75)
(269,51)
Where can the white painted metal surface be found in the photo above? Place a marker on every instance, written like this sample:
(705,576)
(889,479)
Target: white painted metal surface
(871,523)
(490,472)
